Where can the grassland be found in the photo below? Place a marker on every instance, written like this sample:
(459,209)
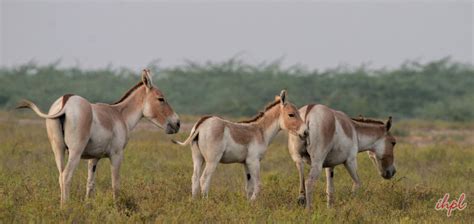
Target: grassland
(433,158)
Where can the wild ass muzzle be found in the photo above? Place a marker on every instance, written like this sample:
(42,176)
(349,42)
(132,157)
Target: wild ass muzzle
(215,140)
(95,131)
(335,139)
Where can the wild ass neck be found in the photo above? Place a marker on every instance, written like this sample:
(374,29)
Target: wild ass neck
(269,124)
(132,108)
(368,134)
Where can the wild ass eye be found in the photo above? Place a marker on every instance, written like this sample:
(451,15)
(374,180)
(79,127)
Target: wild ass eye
(393,143)
(161,99)
(291,115)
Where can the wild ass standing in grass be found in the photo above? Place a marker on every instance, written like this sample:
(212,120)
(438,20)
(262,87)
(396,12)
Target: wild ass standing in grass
(335,139)
(215,140)
(94,131)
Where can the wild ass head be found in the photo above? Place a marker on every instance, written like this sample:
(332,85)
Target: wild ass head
(156,108)
(290,118)
(381,153)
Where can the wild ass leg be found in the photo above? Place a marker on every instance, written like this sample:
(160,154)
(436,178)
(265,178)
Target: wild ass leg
(91,167)
(295,146)
(73,161)
(254,168)
(310,182)
(206,177)
(330,186)
(59,157)
(197,163)
(249,182)
(302,197)
(56,138)
(318,155)
(115,162)
(351,166)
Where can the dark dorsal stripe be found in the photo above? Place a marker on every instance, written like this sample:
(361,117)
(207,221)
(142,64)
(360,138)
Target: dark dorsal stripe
(65,99)
(260,114)
(308,108)
(367,120)
(129,92)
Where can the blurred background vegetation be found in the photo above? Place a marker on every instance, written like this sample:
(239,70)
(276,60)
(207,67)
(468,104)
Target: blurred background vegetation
(441,90)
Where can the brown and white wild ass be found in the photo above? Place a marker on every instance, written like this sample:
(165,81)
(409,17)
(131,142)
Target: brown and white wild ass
(95,131)
(215,140)
(335,139)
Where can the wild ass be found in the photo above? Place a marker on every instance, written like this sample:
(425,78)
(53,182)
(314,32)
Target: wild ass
(335,139)
(215,140)
(95,131)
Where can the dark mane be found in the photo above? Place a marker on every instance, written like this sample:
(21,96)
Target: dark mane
(367,120)
(129,92)
(261,113)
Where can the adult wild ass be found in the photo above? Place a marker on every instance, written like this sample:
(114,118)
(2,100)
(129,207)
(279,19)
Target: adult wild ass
(335,139)
(215,140)
(95,131)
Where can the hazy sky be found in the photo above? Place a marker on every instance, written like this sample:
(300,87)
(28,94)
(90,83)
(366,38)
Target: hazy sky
(317,34)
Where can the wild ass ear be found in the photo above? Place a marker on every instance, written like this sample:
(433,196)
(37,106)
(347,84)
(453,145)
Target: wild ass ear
(277,98)
(283,97)
(388,124)
(146,78)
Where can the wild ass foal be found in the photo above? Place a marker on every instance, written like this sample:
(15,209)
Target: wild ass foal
(335,139)
(95,131)
(215,140)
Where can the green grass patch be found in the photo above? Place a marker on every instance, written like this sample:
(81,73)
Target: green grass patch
(156,185)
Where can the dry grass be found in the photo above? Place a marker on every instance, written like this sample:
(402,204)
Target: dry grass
(156,182)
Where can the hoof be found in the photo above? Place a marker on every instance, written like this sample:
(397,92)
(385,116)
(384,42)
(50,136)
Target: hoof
(302,201)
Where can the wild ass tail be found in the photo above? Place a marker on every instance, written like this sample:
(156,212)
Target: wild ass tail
(28,104)
(192,135)
(194,132)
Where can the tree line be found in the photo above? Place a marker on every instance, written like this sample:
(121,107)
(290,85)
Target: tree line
(439,89)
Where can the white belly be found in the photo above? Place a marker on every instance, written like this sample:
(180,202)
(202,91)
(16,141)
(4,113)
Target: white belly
(234,154)
(335,157)
(99,143)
